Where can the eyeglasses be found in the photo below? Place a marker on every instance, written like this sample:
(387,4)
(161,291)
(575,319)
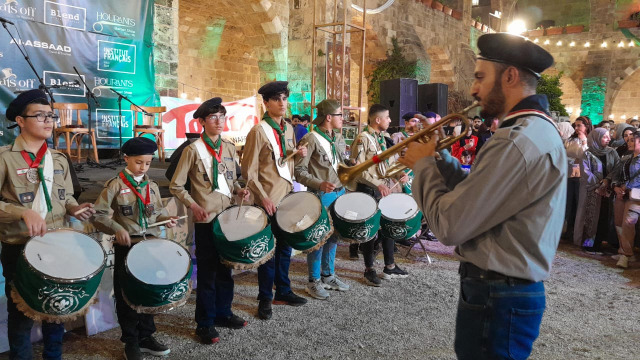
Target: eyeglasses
(43,117)
(336,114)
(216,118)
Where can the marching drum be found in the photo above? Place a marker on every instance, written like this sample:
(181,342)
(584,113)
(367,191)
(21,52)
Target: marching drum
(302,222)
(356,217)
(401,218)
(58,275)
(243,237)
(157,276)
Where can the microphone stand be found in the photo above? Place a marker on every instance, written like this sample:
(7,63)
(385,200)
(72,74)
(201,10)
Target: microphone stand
(120,97)
(89,95)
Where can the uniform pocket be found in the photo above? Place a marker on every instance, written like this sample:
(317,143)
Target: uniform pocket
(524,328)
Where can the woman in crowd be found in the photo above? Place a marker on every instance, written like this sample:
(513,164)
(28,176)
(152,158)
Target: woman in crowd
(468,143)
(627,136)
(617,136)
(576,145)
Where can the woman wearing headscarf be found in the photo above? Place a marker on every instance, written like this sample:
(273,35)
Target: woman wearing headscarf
(595,223)
(617,135)
(627,137)
(576,145)
(566,130)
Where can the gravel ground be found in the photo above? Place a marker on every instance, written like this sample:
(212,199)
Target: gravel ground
(590,314)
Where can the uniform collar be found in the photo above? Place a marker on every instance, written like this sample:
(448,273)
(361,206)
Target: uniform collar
(136,178)
(19,144)
(534,105)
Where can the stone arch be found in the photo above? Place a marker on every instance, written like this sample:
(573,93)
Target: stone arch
(626,98)
(441,66)
(571,96)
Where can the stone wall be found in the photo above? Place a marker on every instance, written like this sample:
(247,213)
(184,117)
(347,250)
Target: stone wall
(576,12)
(165,51)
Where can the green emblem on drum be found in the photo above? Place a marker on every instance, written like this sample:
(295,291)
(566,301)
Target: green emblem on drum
(61,299)
(311,238)
(246,253)
(364,231)
(401,230)
(256,249)
(177,292)
(317,233)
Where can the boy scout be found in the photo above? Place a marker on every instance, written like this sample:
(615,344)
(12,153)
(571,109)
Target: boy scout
(135,202)
(210,164)
(35,194)
(318,171)
(367,144)
(267,143)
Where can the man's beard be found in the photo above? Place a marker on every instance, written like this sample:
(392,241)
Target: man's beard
(494,104)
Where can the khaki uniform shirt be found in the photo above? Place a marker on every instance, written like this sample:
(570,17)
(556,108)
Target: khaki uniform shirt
(316,167)
(191,166)
(364,149)
(17,193)
(117,208)
(259,166)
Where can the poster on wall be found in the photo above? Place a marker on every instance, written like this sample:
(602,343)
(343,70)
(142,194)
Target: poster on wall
(109,42)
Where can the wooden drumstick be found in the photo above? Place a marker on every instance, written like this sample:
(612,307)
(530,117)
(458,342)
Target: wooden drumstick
(167,221)
(81,211)
(240,208)
(394,186)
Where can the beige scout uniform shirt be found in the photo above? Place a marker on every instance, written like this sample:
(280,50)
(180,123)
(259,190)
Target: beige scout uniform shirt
(316,167)
(190,166)
(259,166)
(17,193)
(362,149)
(117,208)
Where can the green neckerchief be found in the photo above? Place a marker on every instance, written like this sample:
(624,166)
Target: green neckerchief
(330,140)
(215,147)
(142,213)
(272,123)
(405,134)
(379,137)
(44,183)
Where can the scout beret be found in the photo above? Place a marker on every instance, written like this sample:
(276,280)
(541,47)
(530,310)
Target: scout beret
(430,114)
(409,115)
(326,107)
(269,89)
(205,108)
(139,146)
(17,106)
(514,50)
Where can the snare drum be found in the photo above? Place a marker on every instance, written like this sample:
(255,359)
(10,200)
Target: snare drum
(401,218)
(302,222)
(58,275)
(157,276)
(243,237)
(356,217)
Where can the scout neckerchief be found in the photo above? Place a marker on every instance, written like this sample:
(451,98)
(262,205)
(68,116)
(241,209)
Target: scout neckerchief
(36,171)
(405,134)
(380,138)
(212,148)
(279,131)
(331,141)
(143,203)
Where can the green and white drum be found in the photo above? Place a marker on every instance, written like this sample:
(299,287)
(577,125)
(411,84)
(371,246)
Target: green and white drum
(401,218)
(302,222)
(157,276)
(243,237)
(58,275)
(356,217)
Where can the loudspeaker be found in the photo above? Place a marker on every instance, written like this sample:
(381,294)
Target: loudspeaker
(433,97)
(400,97)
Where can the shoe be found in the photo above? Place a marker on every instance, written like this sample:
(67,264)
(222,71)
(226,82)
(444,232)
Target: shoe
(232,322)
(617,257)
(353,251)
(408,242)
(623,262)
(208,335)
(264,309)
(332,282)
(394,273)
(316,290)
(132,351)
(151,346)
(372,278)
(289,299)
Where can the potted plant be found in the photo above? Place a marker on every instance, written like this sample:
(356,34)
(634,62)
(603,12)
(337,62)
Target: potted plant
(457,14)
(485,28)
(554,30)
(437,5)
(537,32)
(447,10)
(427,3)
(574,29)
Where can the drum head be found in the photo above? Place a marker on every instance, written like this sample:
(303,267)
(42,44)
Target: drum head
(398,206)
(298,211)
(64,254)
(250,221)
(355,206)
(158,262)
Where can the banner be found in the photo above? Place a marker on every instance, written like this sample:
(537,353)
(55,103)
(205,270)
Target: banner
(178,120)
(108,41)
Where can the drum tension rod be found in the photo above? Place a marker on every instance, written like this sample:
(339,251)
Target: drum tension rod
(39,257)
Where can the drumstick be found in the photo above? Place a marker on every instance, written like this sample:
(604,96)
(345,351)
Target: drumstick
(81,211)
(240,208)
(167,221)
(394,186)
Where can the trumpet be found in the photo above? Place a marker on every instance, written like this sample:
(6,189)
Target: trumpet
(348,174)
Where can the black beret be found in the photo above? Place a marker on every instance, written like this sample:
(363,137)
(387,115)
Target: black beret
(429,114)
(269,89)
(139,146)
(204,108)
(17,106)
(514,50)
(409,115)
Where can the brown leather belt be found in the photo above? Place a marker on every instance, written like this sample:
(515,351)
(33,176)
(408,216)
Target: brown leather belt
(468,270)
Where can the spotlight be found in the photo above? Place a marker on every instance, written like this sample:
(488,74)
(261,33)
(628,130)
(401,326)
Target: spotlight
(611,117)
(546,42)
(516,27)
(536,41)
(559,43)
(621,44)
(587,44)
(604,44)
(183,95)
(572,44)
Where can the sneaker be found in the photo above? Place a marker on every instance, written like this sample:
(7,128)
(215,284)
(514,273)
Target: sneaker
(316,290)
(623,262)
(132,351)
(372,278)
(151,346)
(353,251)
(408,242)
(289,299)
(208,335)
(617,257)
(332,282)
(264,309)
(232,322)
(396,272)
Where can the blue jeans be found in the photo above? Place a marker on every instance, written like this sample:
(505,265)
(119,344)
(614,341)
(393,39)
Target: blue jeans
(498,319)
(276,270)
(323,257)
(19,326)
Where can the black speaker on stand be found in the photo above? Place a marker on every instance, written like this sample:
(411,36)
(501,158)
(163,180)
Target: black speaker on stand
(400,97)
(433,97)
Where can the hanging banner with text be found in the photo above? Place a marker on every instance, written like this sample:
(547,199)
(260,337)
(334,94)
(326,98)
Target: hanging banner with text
(108,41)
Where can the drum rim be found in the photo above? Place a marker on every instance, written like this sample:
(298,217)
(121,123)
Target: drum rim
(291,194)
(126,262)
(400,220)
(215,218)
(355,221)
(62,280)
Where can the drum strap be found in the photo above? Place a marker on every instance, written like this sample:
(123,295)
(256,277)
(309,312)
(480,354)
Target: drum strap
(327,144)
(142,202)
(211,147)
(283,171)
(279,131)
(33,161)
(204,155)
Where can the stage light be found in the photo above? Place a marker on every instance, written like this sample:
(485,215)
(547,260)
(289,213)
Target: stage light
(572,44)
(635,117)
(516,27)
(604,44)
(183,95)
(631,43)
(363,109)
(559,43)
(546,42)
(621,44)
(623,117)
(536,41)
(587,44)
(611,117)
(197,99)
